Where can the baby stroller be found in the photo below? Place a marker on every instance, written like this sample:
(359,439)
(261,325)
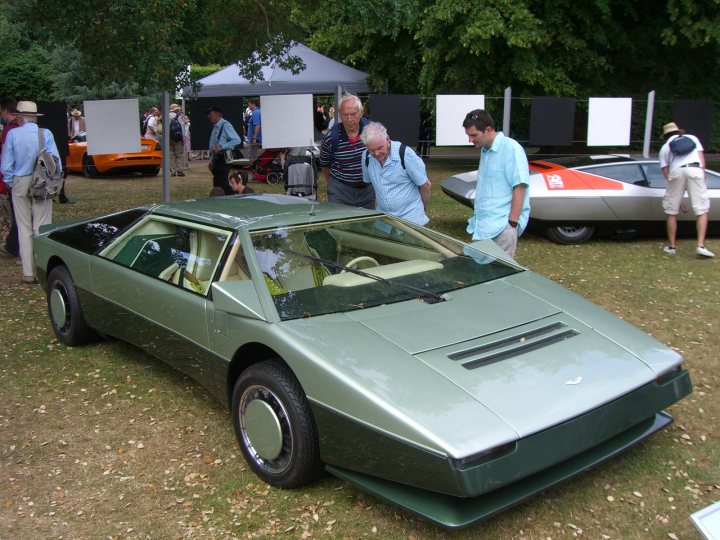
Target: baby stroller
(300,174)
(266,167)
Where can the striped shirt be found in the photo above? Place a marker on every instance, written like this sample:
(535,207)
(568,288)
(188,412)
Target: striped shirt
(346,164)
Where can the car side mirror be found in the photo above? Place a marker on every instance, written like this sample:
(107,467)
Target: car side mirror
(238,297)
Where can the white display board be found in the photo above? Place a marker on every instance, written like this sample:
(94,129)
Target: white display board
(112,126)
(451,110)
(707,521)
(609,121)
(287,121)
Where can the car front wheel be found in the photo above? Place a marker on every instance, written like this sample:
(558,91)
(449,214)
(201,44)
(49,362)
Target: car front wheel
(66,316)
(275,426)
(569,234)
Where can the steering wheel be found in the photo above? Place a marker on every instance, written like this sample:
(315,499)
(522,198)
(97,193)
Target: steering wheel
(356,260)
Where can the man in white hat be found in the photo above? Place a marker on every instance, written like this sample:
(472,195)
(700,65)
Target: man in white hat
(684,170)
(19,155)
(177,145)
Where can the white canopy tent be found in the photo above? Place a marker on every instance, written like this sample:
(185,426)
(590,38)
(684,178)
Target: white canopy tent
(322,75)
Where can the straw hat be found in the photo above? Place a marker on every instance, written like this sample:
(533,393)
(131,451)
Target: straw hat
(670,128)
(174,107)
(75,112)
(27,108)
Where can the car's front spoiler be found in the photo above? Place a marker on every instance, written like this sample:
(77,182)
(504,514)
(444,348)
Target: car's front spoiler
(453,512)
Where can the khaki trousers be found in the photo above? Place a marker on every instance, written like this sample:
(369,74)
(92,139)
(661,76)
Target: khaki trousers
(30,214)
(176,154)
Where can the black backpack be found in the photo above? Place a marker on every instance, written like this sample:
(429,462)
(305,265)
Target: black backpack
(176,130)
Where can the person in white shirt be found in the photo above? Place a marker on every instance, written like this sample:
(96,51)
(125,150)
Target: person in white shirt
(684,170)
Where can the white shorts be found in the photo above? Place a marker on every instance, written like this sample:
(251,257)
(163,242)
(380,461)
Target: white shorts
(692,180)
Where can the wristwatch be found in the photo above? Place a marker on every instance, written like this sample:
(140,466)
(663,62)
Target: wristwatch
(512,223)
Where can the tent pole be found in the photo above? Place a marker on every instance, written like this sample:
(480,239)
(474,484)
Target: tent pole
(338,95)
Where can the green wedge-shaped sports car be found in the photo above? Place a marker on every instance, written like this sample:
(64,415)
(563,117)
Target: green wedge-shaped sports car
(438,375)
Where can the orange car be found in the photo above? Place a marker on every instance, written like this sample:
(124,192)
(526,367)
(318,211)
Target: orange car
(146,162)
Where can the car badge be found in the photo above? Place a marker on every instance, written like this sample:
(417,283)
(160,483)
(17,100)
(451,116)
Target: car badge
(554,181)
(576,380)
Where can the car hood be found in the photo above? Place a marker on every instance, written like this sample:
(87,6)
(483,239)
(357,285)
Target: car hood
(523,358)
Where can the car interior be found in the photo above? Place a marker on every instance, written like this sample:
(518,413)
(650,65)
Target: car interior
(171,252)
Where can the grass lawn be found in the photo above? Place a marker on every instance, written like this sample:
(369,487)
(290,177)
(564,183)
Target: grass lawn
(104,441)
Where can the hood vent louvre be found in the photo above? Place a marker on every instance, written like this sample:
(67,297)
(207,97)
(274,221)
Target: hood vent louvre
(513,346)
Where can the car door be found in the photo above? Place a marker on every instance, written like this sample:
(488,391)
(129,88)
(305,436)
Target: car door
(633,201)
(155,280)
(657,184)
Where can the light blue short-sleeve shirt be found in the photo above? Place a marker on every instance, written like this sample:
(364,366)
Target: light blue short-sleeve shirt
(502,167)
(21,151)
(397,190)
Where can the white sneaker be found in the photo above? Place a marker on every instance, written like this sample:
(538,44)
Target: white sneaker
(705,252)
(669,250)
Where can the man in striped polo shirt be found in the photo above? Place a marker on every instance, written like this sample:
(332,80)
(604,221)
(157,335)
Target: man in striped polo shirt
(341,157)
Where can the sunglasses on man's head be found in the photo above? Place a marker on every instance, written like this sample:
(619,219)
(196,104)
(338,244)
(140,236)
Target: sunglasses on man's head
(475,117)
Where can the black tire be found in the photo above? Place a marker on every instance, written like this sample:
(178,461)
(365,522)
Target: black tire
(150,171)
(66,316)
(272,178)
(88,167)
(569,234)
(275,426)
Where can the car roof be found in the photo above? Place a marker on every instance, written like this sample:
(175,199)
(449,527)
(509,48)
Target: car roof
(257,211)
(571,162)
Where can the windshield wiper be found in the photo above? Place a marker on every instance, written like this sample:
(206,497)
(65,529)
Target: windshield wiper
(426,296)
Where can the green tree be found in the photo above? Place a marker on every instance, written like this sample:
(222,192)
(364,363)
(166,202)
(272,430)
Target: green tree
(24,71)
(539,47)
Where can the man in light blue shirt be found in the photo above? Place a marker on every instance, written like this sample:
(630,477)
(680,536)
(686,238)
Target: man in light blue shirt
(20,152)
(222,137)
(397,174)
(502,197)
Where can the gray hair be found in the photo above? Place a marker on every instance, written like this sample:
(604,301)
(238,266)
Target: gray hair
(351,97)
(372,131)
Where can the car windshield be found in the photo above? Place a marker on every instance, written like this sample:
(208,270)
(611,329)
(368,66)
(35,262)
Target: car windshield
(343,266)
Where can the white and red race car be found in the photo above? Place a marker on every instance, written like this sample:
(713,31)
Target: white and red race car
(572,198)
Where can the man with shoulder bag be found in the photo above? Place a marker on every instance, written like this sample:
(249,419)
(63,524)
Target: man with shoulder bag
(19,160)
(222,137)
(682,162)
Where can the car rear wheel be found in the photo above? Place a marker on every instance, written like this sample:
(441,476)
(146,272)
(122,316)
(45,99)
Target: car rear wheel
(88,167)
(275,426)
(66,316)
(150,171)
(569,234)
